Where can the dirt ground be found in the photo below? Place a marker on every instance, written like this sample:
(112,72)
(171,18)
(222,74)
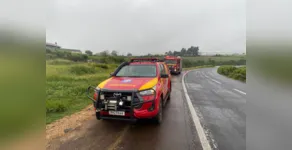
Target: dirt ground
(68,123)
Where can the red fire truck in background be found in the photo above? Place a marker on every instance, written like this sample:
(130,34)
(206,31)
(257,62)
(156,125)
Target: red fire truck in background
(174,64)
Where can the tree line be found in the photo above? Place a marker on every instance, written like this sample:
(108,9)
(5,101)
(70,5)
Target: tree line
(192,51)
(106,53)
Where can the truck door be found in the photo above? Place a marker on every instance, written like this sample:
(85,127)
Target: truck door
(180,65)
(165,80)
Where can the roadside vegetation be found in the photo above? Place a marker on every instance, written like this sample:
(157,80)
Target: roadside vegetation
(66,83)
(68,75)
(237,73)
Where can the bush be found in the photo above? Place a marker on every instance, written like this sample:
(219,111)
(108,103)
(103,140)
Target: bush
(103,66)
(194,63)
(81,70)
(226,70)
(113,66)
(233,72)
(78,57)
(55,106)
(59,62)
(239,74)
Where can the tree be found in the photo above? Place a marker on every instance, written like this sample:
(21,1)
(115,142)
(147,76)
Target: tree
(114,53)
(88,52)
(169,53)
(183,51)
(189,51)
(176,53)
(104,53)
(48,51)
(129,55)
(196,51)
(193,51)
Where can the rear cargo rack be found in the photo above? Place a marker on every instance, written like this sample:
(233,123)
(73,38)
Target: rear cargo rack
(146,60)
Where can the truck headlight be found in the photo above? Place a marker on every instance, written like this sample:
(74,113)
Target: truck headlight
(148,92)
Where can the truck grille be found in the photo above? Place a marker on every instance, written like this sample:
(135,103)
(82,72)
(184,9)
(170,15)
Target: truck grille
(120,96)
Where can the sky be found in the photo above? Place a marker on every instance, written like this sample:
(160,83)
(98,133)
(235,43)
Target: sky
(148,26)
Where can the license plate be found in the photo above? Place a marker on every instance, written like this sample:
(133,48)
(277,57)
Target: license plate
(117,113)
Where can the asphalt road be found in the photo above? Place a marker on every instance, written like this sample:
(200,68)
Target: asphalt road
(220,104)
(219,107)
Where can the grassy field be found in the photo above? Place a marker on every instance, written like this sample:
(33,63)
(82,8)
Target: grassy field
(66,84)
(218,58)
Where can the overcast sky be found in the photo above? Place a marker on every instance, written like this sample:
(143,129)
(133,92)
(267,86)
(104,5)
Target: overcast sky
(147,26)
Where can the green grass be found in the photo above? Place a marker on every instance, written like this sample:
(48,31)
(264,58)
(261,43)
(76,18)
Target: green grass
(237,73)
(215,58)
(66,85)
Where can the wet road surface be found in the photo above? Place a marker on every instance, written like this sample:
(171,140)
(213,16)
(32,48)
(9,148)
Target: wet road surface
(219,106)
(220,103)
(177,131)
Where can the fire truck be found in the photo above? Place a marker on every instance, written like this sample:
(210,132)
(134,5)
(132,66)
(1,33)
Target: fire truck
(174,64)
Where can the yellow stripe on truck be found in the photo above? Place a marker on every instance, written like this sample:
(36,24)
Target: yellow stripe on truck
(102,84)
(149,84)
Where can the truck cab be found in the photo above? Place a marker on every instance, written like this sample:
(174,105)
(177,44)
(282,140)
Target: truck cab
(174,64)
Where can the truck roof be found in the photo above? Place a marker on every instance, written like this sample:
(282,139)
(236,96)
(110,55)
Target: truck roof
(138,63)
(145,60)
(172,57)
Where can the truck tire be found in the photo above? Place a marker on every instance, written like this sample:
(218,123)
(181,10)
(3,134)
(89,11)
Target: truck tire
(169,97)
(97,114)
(158,117)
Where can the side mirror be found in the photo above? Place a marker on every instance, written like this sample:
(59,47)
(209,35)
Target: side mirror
(111,74)
(164,76)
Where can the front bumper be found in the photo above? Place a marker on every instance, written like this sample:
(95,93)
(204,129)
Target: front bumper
(173,71)
(137,108)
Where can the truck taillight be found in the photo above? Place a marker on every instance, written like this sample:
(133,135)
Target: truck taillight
(95,96)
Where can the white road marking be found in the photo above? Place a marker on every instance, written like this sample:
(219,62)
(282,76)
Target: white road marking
(213,79)
(204,141)
(239,91)
(216,81)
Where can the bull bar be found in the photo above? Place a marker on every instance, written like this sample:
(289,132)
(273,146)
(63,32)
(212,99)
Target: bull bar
(98,103)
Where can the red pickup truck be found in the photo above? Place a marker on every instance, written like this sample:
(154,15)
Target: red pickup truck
(135,90)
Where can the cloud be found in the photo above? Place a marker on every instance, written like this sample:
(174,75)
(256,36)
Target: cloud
(152,26)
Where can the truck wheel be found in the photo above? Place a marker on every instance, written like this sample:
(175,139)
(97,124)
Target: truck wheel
(158,117)
(169,93)
(97,115)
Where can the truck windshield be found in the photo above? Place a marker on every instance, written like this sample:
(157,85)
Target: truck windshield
(170,61)
(137,71)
